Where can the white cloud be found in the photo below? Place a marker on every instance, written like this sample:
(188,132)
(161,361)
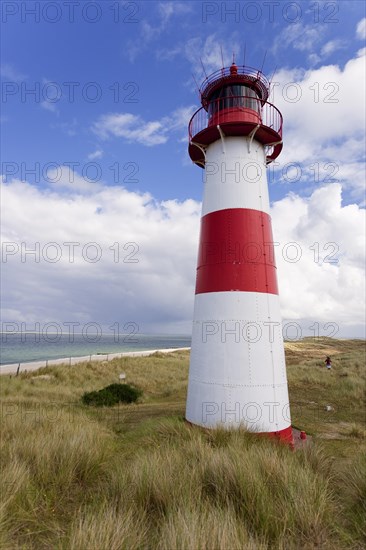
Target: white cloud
(206,55)
(134,129)
(157,291)
(49,106)
(131,127)
(95,155)
(307,38)
(63,177)
(300,37)
(69,128)
(332,46)
(168,9)
(152,31)
(179,118)
(52,95)
(313,59)
(324,116)
(316,287)
(209,50)
(361,29)
(10,72)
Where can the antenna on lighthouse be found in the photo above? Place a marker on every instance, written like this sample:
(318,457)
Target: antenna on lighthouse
(245,49)
(197,86)
(203,68)
(222,57)
(271,80)
(264,58)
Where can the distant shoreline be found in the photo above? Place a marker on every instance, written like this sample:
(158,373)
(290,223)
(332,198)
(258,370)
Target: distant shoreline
(13,368)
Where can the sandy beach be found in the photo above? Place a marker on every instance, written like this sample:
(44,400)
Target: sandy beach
(34,365)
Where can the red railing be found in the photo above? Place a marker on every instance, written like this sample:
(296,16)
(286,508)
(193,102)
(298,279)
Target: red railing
(239,109)
(249,73)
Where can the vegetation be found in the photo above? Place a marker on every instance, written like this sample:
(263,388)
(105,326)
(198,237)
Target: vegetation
(112,395)
(138,476)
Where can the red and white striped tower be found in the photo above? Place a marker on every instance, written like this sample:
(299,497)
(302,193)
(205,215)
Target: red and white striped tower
(237,373)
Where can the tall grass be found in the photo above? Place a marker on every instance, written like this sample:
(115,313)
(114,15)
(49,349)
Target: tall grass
(138,476)
(108,528)
(48,464)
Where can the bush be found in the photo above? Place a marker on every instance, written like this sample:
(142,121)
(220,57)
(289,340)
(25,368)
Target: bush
(111,395)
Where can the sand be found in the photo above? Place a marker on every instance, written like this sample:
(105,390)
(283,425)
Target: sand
(34,365)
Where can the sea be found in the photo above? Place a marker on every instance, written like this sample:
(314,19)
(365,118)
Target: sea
(24,348)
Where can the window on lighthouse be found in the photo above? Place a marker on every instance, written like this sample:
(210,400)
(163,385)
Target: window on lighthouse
(233,96)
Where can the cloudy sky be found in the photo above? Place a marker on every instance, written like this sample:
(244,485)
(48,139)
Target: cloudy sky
(101,203)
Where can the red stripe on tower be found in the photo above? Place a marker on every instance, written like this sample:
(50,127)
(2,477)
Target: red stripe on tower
(236,252)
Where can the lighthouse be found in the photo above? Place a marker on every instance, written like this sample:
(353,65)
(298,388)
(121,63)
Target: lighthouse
(237,374)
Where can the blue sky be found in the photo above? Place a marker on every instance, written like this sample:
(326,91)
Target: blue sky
(114,94)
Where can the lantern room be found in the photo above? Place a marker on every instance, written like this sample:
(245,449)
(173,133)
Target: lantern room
(234,103)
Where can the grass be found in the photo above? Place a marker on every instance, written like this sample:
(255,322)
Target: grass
(138,476)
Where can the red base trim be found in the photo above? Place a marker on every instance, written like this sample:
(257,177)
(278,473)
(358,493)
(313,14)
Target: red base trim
(284,436)
(236,252)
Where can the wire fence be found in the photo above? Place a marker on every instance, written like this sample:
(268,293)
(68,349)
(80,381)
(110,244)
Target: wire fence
(17,368)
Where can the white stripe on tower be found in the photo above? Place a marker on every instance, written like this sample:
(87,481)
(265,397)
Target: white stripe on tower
(235,178)
(237,373)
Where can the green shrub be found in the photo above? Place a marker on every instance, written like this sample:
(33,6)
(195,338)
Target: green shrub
(111,395)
